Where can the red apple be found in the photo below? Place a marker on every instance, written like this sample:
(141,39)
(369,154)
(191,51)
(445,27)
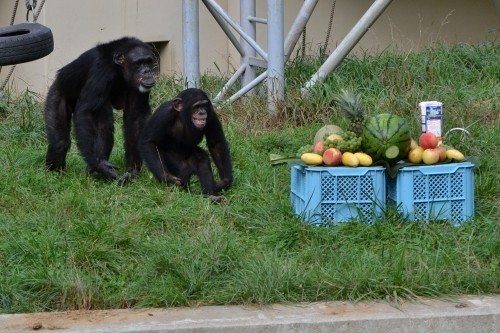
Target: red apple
(318,147)
(332,157)
(442,153)
(428,141)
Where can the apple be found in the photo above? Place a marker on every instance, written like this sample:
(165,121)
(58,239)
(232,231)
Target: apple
(332,157)
(430,156)
(415,155)
(428,140)
(442,153)
(318,147)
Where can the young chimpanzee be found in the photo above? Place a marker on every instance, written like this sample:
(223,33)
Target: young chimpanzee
(169,144)
(116,75)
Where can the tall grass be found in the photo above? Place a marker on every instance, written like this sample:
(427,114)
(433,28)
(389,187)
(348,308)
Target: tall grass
(68,241)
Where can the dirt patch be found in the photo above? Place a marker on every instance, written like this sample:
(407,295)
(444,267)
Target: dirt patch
(70,319)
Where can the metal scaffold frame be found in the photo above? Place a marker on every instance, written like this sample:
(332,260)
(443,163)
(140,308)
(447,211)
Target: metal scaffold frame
(279,48)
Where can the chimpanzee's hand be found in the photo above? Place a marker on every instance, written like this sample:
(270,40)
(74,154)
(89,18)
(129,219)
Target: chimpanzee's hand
(127,177)
(173,180)
(105,170)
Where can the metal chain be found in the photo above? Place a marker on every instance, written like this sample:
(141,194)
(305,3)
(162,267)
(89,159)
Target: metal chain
(330,23)
(13,17)
(304,42)
(328,31)
(39,10)
(8,77)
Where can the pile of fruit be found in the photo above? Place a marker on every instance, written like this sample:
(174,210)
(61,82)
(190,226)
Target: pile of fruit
(383,137)
(429,150)
(341,148)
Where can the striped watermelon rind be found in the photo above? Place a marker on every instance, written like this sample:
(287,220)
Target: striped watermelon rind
(384,131)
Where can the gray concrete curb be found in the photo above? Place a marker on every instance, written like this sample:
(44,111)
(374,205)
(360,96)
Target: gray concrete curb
(470,314)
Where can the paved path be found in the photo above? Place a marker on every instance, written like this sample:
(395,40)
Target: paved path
(469,314)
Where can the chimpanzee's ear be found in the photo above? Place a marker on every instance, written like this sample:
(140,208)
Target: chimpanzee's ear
(119,59)
(178,104)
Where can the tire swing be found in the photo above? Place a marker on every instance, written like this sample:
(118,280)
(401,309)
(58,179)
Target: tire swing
(25,42)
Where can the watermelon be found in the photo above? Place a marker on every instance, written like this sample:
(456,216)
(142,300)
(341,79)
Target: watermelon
(386,137)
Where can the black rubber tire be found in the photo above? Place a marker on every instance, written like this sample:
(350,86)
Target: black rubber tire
(24,42)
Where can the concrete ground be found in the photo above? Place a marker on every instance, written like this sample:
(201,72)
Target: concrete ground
(469,314)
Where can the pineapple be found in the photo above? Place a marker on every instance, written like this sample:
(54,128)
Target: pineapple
(352,106)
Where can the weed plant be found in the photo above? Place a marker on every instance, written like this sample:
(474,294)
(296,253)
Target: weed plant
(68,241)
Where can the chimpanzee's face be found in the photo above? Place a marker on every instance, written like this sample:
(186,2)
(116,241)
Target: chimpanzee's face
(199,114)
(138,68)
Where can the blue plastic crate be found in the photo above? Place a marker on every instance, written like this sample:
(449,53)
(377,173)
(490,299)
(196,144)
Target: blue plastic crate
(437,192)
(327,195)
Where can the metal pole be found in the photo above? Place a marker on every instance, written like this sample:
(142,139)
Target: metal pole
(230,83)
(247,11)
(276,59)
(225,28)
(248,87)
(191,46)
(298,26)
(215,6)
(348,43)
(290,42)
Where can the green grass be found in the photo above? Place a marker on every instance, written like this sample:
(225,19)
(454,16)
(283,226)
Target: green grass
(71,242)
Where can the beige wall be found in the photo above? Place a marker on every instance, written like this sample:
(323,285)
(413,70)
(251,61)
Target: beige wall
(78,25)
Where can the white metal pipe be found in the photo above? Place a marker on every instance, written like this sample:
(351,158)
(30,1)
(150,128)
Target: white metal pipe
(230,82)
(348,43)
(298,26)
(226,29)
(247,10)
(276,59)
(248,87)
(256,19)
(191,45)
(236,27)
(291,40)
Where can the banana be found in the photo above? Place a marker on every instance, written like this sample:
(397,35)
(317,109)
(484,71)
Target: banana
(454,154)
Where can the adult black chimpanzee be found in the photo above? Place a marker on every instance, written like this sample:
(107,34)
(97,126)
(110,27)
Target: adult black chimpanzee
(169,144)
(116,75)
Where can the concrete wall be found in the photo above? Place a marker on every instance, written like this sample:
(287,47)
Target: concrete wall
(407,25)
